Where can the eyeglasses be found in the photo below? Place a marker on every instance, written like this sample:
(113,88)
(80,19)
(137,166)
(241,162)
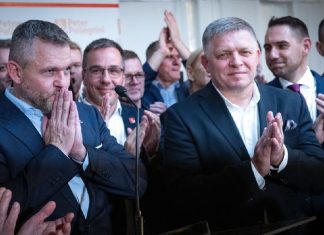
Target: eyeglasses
(98,72)
(139,76)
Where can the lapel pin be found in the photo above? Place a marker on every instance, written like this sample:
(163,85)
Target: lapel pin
(131,120)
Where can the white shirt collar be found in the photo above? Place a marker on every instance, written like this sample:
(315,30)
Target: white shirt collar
(306,80)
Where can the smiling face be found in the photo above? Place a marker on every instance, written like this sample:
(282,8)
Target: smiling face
(231,60)
(286,52)
(45,74)
(99,85)
(134,79)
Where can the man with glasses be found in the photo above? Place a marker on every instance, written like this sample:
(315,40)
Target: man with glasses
(103,70)
(134,77)
(5,80)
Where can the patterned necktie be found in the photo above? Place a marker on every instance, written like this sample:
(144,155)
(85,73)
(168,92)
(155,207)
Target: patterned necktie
(294,87)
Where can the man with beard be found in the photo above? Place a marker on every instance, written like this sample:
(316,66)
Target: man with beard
(287,45)
(53,149)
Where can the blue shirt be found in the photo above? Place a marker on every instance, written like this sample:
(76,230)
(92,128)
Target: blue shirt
(169,93)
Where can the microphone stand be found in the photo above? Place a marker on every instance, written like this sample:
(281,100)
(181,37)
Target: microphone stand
(139,222)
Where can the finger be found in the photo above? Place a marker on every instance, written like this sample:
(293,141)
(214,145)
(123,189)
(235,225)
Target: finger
(45,212)
(4,202)
(59,106)
(279,121)
(72,118)
(12,218)
(67,223)
(54,106)
(44,124)
(270,117)
(67,100)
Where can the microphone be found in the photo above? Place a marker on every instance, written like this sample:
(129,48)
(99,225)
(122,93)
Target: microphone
(122,92)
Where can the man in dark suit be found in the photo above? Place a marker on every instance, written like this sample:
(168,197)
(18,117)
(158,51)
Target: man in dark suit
(243,156)
(53,149)
(287,45)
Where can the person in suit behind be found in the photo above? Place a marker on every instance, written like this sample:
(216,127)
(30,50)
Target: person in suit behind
(103,55)
(163,83)
(320,42)
(5,80)
(197,75)
(134,77)
(76,71)
(242,157)
(287,45)
(53,149)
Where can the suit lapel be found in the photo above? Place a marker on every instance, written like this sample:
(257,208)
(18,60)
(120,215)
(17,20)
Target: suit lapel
(129,116)
(21,127)
(214,106)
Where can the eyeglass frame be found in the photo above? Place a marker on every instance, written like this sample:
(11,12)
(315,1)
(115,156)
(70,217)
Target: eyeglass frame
(102,70)
(138,75)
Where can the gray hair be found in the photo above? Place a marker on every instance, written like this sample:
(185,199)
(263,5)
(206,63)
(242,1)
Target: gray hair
(223,26)
(99,44)
(26,33)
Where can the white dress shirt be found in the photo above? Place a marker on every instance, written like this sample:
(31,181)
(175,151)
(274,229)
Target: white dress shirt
(116,125)
(248,124)
(307,89)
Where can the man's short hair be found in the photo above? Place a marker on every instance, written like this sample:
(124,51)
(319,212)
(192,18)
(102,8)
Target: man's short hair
(5,43)
(99,44)
(295,24)
(153,47)
(321,31)
(128,54)
(74,46)
(223,26)
(26,33)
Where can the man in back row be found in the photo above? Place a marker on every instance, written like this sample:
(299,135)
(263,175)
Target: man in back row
(244,156)
(53,149)
(287,45)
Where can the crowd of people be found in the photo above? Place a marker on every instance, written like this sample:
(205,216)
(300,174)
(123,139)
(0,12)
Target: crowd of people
(224,146)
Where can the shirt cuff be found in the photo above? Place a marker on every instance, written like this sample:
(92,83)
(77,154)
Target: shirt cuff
(259,178)
(84,163)
(283,163)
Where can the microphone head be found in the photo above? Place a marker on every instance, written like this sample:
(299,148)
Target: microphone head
(121,91)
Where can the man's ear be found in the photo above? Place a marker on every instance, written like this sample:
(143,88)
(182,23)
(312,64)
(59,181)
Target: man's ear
(320,48)
(15,71)
(307,44)
(204,62)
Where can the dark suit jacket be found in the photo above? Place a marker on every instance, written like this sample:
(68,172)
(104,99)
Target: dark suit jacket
(152,93)
(318,78)
(37,173)
(209,169)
